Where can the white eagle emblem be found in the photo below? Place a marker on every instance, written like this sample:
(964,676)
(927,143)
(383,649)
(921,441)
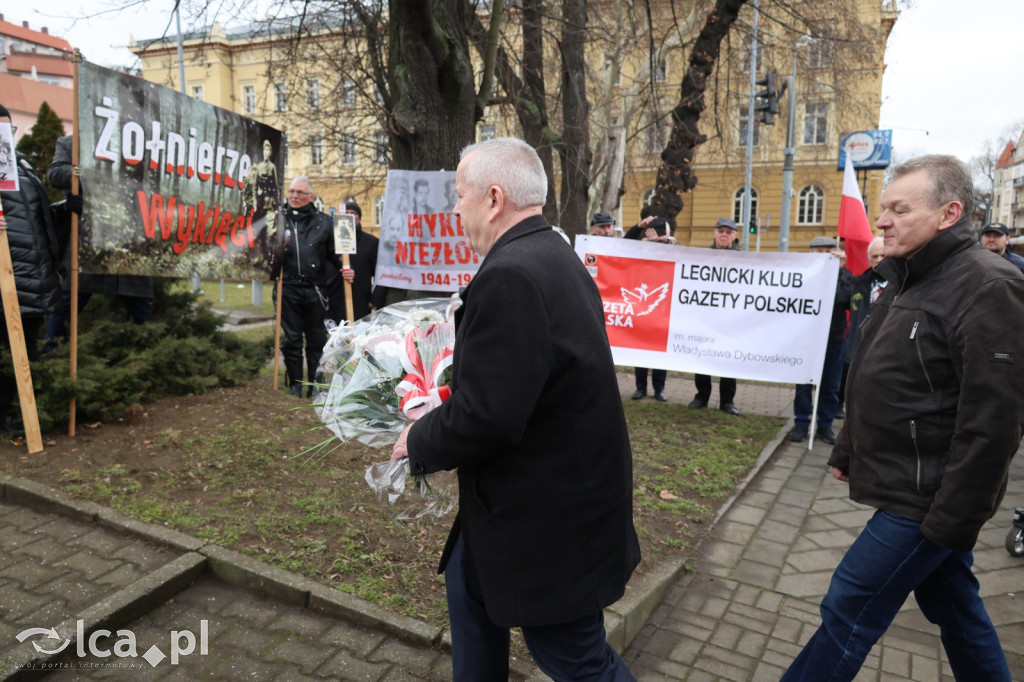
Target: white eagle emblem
(641,295)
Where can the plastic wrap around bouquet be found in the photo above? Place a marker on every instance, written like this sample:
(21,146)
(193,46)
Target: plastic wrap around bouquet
(382,372)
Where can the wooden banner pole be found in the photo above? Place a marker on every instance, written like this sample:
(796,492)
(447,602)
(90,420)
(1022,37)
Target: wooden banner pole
(73,319)
(277,325)
(349,312)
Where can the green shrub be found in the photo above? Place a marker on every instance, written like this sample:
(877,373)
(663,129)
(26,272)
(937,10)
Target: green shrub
(181,351)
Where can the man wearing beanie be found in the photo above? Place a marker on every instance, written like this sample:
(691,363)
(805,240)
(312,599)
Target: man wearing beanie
(362,265)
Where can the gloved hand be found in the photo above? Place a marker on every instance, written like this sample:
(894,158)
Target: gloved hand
(74,202)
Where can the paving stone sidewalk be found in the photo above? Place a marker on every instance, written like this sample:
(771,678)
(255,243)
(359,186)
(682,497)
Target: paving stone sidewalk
(753,598)
(740,616)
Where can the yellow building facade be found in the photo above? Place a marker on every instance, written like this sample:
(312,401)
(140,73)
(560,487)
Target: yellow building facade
(631,89)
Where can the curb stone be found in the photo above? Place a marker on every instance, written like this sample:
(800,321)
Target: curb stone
(623,619)
(141,596)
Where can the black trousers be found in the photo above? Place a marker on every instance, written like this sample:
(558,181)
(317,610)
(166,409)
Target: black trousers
(657,378)
(574,651)
(302,325)
(726,388)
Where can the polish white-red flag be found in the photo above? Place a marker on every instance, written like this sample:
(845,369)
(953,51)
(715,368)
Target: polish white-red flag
(854,227)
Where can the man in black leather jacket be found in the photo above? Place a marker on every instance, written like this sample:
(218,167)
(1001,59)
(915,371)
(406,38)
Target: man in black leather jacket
(934,414)
(310,269)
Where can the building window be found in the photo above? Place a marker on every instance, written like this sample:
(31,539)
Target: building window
(316,151)
(378,210)
(197,92)
(743,129)
(811,208)
(660,73)
(737,206)
(314,94)
(282,97)
(655,136)
(487,131)
(382,147)
(348,93)
(249,99)
(350,149)
(815,120)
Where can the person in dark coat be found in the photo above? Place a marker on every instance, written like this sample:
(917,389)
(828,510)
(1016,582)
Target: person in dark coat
(310,269)
(934,416)
(362,265)
(33,240)
(544,536)
(832,369)
(996,238)
(725,238)
(135,291)
(864,290)
(650,229)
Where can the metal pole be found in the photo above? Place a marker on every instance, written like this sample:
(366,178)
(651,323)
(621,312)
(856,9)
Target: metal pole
(181,50)
(750,134)
(787,164)
(197,285)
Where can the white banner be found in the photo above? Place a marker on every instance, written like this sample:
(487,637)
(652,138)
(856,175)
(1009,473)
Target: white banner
(760,316)
(422,245)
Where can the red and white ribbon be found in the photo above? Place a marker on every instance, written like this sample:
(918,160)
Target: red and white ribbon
(418,389)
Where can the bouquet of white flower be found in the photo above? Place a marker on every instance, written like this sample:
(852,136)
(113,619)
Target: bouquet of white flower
(382,372)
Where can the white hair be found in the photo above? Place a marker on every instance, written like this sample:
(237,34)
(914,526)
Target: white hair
(876,240)
(303,178)
(512,165)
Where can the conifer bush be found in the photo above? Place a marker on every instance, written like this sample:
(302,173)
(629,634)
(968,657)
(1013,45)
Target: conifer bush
(181,351)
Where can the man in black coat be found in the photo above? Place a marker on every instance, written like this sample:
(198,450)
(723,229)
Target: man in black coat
(362,264)
(725,238)
(135,291)
(544,537)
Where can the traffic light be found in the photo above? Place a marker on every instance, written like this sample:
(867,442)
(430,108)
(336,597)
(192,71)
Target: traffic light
(766,102)
(753,226)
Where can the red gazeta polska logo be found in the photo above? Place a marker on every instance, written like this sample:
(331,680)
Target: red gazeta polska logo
(635,295)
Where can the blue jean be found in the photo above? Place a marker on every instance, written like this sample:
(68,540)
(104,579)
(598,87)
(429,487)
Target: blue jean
(889,560)
(828,394)
(480,649)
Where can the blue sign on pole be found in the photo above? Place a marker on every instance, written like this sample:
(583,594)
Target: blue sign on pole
(867,148)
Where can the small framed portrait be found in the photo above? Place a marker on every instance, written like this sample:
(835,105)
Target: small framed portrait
(344,233)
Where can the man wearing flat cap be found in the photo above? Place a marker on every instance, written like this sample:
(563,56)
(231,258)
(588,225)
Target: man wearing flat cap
(725,238)
(996,238)
(602,224)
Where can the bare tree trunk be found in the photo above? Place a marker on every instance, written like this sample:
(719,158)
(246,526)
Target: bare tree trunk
(531,104)
(528,94)
(575,149)
(431,83)
(675,175)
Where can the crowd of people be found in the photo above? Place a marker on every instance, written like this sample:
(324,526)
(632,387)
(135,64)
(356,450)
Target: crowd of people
(925,346)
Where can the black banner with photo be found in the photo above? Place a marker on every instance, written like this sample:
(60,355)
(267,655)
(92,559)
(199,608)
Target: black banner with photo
(173,186)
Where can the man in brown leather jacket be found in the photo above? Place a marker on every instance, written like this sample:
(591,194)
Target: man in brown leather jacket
(934,414)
